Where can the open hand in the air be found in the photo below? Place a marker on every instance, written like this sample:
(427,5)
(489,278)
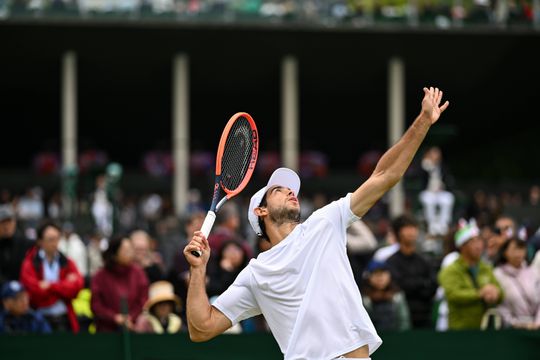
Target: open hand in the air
(431,104)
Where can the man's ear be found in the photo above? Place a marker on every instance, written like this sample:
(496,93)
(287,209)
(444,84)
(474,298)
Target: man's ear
(260,211)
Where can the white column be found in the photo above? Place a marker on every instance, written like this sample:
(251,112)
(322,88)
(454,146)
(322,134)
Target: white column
(396,125)
(290,142)
(69,109)
(180,139)
(69,132)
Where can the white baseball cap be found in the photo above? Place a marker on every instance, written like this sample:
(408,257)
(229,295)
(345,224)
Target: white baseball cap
(281,177)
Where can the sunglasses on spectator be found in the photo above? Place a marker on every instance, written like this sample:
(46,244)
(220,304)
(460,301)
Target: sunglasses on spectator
(506,230)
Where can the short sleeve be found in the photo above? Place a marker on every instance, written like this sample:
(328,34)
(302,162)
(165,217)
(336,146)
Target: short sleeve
(238,302)
(338,212)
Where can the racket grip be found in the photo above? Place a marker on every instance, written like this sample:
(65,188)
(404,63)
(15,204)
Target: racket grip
(206,227)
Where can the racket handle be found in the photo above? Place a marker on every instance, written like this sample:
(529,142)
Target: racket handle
(206,227)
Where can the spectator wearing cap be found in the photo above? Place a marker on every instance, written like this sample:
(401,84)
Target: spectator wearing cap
(412,273)
(521,284)
(16,317)
(469,283)
(384,300)
(12,247)
(52,279)
(73,247)
(120,289)
(159,316)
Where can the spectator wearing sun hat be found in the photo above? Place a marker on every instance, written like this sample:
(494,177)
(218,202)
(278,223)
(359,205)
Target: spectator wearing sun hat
(469,283)
(159,315)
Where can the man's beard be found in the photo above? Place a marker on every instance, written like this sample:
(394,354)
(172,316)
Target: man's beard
(283,215)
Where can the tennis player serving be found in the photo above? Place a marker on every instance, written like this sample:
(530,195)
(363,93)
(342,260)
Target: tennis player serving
(303,285)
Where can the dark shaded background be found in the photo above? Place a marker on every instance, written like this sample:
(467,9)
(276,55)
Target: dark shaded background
(491,78)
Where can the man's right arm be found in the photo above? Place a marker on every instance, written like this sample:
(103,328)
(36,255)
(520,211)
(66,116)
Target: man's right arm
(204,320)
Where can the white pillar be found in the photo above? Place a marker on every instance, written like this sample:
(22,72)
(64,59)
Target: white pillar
(69,109)
(396,125)
(69,132)
(289,113)
(180,139)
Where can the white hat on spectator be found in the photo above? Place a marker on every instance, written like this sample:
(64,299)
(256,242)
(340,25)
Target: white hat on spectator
(160,291)
(467,231)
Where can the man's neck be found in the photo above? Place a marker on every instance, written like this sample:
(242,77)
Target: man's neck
(49,257)
(277,234)
(407,251)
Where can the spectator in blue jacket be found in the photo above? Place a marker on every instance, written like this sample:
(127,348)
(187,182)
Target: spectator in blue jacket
(16,317)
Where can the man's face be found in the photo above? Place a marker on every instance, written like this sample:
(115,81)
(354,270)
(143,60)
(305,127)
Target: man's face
(473,248)
(407,235)
(126,253)
(505,228)
(380,279)
(282,204)
(50,240)
(7,228)
(17,305)
(141,247)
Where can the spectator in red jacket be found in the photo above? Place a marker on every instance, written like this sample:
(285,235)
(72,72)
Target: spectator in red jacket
(51,279)
(120,289)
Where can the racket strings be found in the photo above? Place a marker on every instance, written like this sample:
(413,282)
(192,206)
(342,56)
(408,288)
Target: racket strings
(237,154)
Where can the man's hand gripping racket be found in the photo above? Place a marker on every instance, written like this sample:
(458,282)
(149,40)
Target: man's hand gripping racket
(235,161)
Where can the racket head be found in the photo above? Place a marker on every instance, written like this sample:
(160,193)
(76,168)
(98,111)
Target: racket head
(237,154)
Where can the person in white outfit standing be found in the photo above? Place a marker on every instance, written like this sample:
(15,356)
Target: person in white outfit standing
(303,285)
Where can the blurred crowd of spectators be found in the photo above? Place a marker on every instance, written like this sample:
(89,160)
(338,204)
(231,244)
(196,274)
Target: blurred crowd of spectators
(360,13)
(443,264)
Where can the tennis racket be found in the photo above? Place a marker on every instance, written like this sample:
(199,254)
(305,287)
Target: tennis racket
(235,161)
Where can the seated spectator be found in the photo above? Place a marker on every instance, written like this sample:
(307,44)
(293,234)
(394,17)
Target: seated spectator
(505,228)
(384,300)
(179,273)
(521,284)
(16,317)
(159,311)
(469,284)
(12,247)
(73,247)
(227,228)
(441,322)
(30,208)
(225,267)
(412,273)
(83,310)
(52,280)
(96,245)
(149,260)
(361,243)
(120,289)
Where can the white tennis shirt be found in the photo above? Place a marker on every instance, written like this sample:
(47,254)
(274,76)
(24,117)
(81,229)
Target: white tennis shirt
(304,287)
